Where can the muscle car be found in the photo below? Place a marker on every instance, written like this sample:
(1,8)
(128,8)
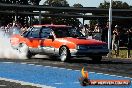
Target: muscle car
(61,41)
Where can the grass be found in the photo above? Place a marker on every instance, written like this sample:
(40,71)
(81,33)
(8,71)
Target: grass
(122,54)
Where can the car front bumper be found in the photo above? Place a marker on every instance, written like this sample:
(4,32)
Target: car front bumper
(90,52)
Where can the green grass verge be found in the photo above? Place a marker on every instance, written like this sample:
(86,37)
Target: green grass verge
(122,54)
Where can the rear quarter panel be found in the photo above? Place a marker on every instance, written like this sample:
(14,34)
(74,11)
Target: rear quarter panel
(17,39)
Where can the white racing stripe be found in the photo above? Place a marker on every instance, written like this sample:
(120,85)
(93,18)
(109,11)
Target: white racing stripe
(25,83)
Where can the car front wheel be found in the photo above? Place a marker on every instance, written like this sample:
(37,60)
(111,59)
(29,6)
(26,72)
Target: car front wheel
(64,54)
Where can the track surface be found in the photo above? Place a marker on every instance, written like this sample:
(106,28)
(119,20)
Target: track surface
(44,73)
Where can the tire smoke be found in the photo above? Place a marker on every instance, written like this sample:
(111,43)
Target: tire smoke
(6,51)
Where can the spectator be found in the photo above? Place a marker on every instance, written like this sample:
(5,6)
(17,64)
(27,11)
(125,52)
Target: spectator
(24,29)
(104,36)
(129,38)
(83,30)
(98,32)
(88,30)
(115,40)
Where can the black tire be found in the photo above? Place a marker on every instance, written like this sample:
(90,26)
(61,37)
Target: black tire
(23,49)
(29,55)
(96,59)
(64,54)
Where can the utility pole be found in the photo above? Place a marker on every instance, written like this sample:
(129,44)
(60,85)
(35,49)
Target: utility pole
(110,23)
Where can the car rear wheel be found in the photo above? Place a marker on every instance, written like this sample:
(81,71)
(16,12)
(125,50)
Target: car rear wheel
(64,54)
(24,50)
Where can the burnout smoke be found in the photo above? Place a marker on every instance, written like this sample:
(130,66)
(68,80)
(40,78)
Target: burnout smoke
(6,51)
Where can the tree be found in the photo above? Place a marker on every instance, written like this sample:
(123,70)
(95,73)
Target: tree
(57,3)
(22,18)
(24,2)
(60,20)
(115,5)
(77,5)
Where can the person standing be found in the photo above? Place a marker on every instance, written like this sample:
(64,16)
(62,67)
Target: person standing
(98,32)
(115,40)
(129,46)
(104,36)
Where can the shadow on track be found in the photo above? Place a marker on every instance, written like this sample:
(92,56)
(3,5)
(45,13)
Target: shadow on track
(105,60)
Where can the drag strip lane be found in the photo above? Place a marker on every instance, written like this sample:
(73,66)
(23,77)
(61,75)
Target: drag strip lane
(51,76)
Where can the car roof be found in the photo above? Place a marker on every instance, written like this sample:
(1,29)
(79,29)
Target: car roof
(51,25)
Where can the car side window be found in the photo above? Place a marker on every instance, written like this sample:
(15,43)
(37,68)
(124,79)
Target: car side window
(45,32)
(34,33)
(26,33)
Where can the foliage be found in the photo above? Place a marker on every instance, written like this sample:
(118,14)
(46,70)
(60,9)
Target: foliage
(22,2)
(34,2)
(15,1)
(77,5)
(57,3)
(60,20)
(122,54)
(115,5)
(22,18)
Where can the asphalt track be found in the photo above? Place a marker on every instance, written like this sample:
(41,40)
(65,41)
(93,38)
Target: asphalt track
(46,73)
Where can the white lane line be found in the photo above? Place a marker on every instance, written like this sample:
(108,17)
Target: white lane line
(62,68)
(77,70)
(114,75)
(69,69)
(76,82)
(100,73)
(26,83)
(119,76)
(24,63)
(128,77)
(58,83)
(8,62)
(106,74)
(54,67)
(38,65)
(92,72)
(47,66)
(31,64)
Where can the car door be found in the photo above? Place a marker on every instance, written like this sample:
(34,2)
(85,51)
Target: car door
(33,39)
(46,42)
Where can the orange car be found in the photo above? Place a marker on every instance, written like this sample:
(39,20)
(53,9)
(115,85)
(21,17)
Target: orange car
(58,40)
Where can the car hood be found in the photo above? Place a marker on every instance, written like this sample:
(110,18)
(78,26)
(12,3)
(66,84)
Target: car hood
(84,41)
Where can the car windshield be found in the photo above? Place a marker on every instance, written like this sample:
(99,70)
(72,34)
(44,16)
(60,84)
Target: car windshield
(67,32)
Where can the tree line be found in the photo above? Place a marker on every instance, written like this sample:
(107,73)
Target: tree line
(60,20)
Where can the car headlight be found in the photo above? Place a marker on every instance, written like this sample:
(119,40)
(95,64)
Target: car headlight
(82,47)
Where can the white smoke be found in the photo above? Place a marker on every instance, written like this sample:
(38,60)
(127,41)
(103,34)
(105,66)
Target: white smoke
(6,51)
